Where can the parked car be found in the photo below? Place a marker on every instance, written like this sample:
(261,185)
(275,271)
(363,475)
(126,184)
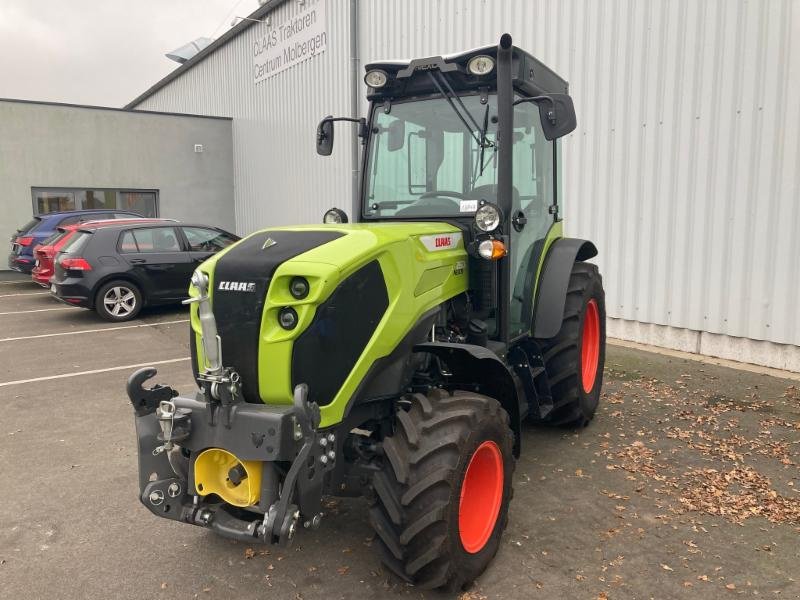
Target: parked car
(41,227)
(45,252)
(117,270)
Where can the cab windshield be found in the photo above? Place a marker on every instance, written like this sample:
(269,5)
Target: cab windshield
(425,160)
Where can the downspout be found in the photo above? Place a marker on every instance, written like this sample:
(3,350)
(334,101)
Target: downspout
(505,115)
(354,110)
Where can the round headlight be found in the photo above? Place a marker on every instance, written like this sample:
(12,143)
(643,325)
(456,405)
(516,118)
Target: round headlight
(480,65)
(298,287)
(376,78)
(485,249)
(334,216)
(287,317)
(487,217)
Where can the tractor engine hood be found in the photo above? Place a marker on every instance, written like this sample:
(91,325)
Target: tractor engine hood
(356,276)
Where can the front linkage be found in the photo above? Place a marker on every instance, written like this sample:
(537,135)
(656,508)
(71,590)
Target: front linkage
(196,452)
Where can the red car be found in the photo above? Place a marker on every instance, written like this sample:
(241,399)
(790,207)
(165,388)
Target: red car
(45,252)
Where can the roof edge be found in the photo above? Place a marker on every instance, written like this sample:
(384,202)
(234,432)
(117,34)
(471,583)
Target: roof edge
(234,31)
(111,108)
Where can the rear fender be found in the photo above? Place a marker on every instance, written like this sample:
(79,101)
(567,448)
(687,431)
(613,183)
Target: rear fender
(486,374)
(549,312)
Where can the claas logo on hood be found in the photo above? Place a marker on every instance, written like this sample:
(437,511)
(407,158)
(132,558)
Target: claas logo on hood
(236,286)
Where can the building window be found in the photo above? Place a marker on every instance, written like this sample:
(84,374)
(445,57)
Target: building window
(143,202)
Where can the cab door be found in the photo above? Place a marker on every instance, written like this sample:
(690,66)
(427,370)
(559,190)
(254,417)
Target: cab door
(531,215)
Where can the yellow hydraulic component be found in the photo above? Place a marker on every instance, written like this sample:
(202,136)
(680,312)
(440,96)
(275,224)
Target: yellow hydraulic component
(212,471)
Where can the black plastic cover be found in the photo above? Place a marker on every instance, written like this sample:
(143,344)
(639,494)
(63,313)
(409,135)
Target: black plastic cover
(325,353)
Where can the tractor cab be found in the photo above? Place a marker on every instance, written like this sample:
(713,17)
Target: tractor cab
(472,140)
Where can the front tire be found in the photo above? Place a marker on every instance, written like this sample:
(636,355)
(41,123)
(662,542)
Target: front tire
(118,301)
(442,495)
(574,358)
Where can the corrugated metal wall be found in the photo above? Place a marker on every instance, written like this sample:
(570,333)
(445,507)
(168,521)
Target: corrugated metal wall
(279,179)
(684,169)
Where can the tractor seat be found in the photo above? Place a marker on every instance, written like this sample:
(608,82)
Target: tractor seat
(489,193)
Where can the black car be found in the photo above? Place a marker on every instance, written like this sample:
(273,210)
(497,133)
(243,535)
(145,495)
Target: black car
(119,269)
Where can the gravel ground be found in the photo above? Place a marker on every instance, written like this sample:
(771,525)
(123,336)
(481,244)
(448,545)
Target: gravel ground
(686,484)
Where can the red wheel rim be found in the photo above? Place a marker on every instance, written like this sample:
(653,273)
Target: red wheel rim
(481,497)
(590,345)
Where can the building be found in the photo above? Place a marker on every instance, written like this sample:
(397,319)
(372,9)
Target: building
(684,169)
(66,157)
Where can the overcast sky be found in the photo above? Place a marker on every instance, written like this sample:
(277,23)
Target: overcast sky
(103,52)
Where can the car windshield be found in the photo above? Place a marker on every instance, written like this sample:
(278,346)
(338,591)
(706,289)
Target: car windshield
(429,158)
(54,238)
(76,243)
(30,225)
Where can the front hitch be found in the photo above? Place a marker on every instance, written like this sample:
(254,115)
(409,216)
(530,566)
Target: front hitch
(173,431)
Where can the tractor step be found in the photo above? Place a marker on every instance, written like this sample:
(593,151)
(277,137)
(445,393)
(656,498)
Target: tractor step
(529,366)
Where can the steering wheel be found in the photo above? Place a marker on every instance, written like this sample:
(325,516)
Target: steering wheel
(442,193)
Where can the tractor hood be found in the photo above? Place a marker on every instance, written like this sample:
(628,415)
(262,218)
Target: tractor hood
(368,285)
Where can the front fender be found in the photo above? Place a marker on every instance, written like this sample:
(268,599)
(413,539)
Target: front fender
(479,366)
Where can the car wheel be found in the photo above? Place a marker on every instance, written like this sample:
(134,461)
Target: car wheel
(118,301)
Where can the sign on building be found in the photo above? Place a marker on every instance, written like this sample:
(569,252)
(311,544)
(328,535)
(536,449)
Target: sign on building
(283,45)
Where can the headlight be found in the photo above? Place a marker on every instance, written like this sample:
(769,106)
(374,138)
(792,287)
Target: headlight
(492,249)
(334,216)
(376,78)
(480,65)
(487,217)
(298,287)
(287,317)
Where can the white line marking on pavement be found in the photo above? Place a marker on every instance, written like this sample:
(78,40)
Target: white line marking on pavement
(24,294)
(22,312)
(93,372)
(21,282)
(46,335)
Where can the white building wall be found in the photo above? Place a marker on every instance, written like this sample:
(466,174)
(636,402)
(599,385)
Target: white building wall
(684,168)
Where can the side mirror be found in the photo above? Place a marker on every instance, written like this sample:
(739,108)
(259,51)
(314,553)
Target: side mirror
(325,136)
(396,135)
(557,114)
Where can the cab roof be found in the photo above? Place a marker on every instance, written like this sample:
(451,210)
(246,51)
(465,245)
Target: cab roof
(408,77)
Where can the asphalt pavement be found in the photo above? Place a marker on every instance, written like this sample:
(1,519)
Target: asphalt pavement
(685,485)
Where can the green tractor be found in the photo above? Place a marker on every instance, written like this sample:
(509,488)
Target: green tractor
(394,358)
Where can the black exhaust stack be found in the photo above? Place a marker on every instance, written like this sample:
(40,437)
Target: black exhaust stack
(505,115)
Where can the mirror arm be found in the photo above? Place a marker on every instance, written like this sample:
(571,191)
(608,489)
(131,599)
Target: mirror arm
(362,124)
(551,114)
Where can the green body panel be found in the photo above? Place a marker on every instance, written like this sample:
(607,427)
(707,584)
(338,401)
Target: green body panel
(555,232)
(417,280)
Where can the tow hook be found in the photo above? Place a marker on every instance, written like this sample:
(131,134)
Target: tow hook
(145,401)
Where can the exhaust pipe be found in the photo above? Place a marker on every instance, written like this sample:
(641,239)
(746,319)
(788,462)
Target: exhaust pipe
(505,115)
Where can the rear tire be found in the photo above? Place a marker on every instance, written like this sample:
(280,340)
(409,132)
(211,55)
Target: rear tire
(118,301)
(574,358)
(442,495)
